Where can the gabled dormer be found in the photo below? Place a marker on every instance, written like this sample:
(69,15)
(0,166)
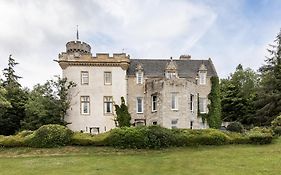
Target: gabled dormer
(202,75)
(139,74)
(171,70)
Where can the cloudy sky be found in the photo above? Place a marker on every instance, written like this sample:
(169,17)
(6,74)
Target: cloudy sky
(228,31)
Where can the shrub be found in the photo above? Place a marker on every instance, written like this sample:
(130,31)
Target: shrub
(237,138)
(159,137)
(277,130)
(262,130)
(207,137)
(12,141)
(24,133)
(235,127)
(86,139)
(50,136)
(276,125)
(127,137)
(256,136)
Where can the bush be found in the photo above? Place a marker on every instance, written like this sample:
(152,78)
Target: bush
(235,127)
(207,137)
(237,138)
(86,139)
(259,136)
(50,136)
(12,141)
(276,125)
(24,133)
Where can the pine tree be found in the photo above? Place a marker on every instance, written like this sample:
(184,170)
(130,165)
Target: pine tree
(10,117)
(269,95)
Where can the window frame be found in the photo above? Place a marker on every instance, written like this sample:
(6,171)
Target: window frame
(139,77)
(107,100)
(84,74)
(137,105)
(202,78)
(203,104)
(154,103)
(105,78)
(192,97)
(84,102)
(174,101)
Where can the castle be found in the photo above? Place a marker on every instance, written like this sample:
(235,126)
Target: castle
(165,92)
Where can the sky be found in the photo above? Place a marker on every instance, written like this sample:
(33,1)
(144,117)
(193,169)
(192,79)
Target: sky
(230,32)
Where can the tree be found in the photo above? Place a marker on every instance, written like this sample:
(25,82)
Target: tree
(123,116)
(47,104)
(238,94)
(4,103)
(269,94)
(10,117)
(214,115)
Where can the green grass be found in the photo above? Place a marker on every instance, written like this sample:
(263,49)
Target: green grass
(229,159)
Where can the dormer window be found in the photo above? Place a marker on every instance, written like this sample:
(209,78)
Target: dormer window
(202,78)
(171,70)
(139,76)
(202,73)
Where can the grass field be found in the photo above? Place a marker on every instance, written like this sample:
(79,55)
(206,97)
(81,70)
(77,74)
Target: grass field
(229,159)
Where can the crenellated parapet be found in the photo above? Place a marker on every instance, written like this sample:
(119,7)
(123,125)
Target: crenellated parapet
(79,54)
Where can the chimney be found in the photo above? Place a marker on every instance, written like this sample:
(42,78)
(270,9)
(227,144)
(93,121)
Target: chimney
(185,57)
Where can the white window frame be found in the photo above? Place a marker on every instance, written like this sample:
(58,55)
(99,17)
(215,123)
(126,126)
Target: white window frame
(170,75)
(192,98)
(85,103)
(139,110)
(139,77)
(174,101)
(202,78)
(108,102)
(84,78)
(154,103)
(107,78)
(203,105)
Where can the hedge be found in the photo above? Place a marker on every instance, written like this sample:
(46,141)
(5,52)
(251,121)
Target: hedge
(152,137)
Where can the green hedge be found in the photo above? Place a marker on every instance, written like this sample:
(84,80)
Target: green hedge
(86,139)
(49,136)
(153,137)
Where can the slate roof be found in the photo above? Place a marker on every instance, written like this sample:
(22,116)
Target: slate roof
(156,67)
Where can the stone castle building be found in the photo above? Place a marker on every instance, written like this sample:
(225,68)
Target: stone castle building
(165,92)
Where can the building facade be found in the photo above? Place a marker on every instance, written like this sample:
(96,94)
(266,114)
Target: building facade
(166,92)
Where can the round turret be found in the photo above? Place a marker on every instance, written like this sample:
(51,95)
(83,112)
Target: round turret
(78,46)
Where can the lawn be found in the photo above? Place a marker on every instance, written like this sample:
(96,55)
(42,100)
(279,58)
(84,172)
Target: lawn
(229,159)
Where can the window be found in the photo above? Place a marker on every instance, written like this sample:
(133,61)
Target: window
(191,102)
(174,101)
(85,105)
(203,105)
(154,123)
(170,75)
(139,105)
(154,103)
(107,105)
(107,78)
(202,78)
(139,76)
(191,124)
(84,78)
(174,123)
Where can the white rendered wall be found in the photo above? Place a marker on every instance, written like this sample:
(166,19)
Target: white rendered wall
(96,90)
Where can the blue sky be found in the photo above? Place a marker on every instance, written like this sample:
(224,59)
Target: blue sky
(228,31)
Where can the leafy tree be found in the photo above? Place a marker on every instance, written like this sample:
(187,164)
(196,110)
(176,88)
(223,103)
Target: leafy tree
(269,94)
(47,104)
(123,116)
(10,117)
(238,93)
(214,115)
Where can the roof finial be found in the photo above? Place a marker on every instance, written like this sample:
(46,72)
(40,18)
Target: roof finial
(77,33)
